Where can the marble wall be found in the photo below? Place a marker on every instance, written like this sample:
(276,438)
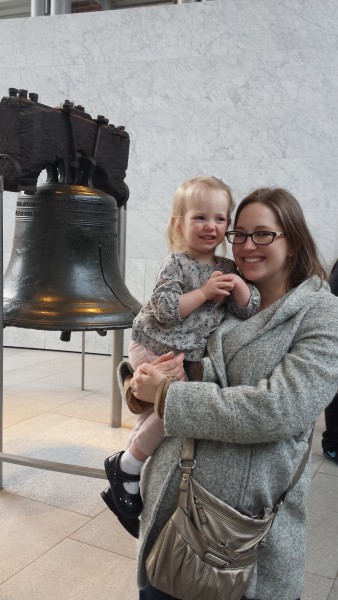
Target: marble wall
(246,91)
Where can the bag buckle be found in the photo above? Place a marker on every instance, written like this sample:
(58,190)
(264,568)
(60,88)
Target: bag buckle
(187,465)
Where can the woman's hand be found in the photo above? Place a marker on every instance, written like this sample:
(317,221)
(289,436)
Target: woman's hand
(145,382)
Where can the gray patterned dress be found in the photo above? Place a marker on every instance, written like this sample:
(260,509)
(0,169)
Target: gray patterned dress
(159,327)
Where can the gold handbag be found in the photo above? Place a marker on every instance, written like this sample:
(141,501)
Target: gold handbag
(207,550)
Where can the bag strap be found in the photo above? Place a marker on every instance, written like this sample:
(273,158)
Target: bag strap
(188,462)
(297,475)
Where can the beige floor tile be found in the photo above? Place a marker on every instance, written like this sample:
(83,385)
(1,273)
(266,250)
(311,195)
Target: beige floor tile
(316,587)
(72,571)
(316,462)
(70,492)
(317,443)
(66,440)
(95,378)
(28,530)
(43,358)
(320,424)
(106,532)
(78,548)
(61,367)
(12,351)
(57,437)
(66,359)
(96,406)
(129,422)
(19,408)
(329,467)
(334,592)
(93,406)
(42,390)
(322,539)
(21,376)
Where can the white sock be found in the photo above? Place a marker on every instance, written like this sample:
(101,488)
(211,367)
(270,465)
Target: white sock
(130,464)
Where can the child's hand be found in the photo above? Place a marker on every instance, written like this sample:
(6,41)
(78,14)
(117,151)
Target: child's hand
(240,290)
(171,365)
(217,287)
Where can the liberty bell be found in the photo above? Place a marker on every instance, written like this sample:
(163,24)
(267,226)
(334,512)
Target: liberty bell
(63,272)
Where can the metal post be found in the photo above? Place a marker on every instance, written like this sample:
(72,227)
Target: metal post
(117,355)
(1,328)
(60,7)
(83,360)
(117,340)
(122,233)
(38,8)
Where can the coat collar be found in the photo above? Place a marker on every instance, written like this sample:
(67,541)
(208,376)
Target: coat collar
(235,333)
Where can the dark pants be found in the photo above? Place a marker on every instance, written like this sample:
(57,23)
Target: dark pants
(150,593)
(330,436)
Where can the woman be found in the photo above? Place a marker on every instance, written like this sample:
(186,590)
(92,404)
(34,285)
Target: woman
(265,382)
(330,435)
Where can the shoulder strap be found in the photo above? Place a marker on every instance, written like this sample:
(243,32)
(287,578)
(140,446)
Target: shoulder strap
(188,462)
(188,449)
(297,475)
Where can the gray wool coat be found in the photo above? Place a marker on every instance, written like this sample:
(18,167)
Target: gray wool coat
(266,380)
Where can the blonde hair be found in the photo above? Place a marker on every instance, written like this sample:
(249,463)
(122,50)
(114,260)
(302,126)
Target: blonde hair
(186,197)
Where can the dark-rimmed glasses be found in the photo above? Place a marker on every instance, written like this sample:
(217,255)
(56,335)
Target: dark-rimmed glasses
(260,238)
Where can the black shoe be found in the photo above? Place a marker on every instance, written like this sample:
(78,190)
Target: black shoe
(331,455)
(128,505)
(131,525)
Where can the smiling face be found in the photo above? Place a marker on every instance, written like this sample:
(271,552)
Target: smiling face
(204,225)
(266,266)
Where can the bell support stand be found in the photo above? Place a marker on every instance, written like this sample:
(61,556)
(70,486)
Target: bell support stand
(83,201)
(117,339)
(47,465)
(117,355)
(1,329)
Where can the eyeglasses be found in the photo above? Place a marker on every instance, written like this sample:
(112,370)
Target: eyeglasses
(260,238)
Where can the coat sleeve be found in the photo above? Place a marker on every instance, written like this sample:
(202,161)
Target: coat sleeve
(281,405)
(245,312)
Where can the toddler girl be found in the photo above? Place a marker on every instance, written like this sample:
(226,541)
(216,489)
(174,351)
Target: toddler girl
(193,290)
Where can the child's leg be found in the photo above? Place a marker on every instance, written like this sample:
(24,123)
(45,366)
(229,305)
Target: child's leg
(146,437)
(138,355)
(123,468)
(132,460)
(136,454)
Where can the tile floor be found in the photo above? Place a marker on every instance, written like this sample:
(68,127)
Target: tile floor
(58,541)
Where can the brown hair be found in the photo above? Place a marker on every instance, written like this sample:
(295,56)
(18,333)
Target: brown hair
(185,198)
(305,261)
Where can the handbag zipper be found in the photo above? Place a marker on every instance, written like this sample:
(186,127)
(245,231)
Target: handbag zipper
(230,556)
(201,505)
(200,510)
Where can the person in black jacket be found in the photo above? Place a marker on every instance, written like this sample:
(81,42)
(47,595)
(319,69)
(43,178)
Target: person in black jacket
(330,435)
